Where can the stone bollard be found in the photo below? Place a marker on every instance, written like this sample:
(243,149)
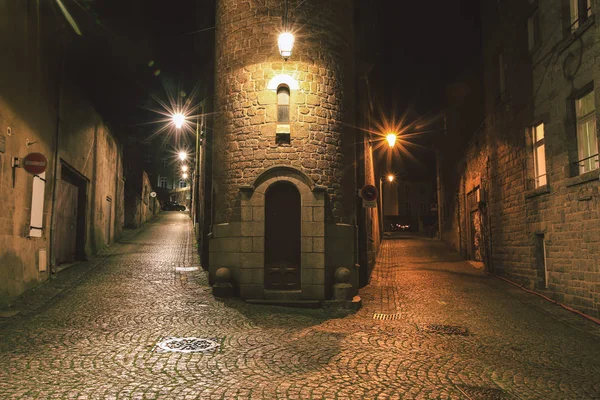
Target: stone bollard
(342,289)
(222,286)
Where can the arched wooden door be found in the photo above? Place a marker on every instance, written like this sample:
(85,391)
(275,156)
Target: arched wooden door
(282,237)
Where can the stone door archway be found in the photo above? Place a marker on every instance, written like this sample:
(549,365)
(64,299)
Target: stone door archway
(282,237)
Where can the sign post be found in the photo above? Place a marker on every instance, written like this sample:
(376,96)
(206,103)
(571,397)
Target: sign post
(369,195)
(34,163)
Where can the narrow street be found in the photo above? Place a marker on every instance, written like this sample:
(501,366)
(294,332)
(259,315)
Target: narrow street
(446,330)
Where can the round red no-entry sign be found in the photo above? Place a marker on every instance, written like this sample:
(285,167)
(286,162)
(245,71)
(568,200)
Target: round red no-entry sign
(34,163)
(369,193)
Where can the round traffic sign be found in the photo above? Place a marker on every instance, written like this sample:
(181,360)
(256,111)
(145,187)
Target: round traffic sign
(34,163)
(369,193)
(153,194)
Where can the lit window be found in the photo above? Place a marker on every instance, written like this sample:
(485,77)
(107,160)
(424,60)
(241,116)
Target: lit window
(581,10)
(539,155)
(587,138)
(283,104)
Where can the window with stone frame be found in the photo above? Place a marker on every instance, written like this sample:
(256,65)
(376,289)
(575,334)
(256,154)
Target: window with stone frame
(182,184)
(580,11)
(539,155)
(283,104)
(587,136)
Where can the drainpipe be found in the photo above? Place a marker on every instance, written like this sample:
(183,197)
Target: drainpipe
(61,77)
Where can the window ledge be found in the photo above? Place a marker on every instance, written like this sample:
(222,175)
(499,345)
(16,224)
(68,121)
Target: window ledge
(537,191)
(583,178)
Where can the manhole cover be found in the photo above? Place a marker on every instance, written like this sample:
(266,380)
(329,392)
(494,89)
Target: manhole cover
(482,393)
(445,329)
(186,345)
(386,317)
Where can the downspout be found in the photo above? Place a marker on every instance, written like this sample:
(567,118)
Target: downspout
(61,77)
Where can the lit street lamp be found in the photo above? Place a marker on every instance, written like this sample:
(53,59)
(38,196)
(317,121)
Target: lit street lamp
(286,44)
(178,120)
(390,178)
(184,176)
(182,155)
(391,139)
(184,168)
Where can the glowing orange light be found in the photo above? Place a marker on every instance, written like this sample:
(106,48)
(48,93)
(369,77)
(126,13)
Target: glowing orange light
(391,139)
(286,43)
(390,178)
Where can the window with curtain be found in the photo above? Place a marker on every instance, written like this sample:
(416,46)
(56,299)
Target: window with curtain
(539,155)
(587,137)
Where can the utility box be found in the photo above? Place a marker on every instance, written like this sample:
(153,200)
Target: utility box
(42,260)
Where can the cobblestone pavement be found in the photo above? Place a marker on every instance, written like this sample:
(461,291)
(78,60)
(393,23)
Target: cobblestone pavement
(96,339)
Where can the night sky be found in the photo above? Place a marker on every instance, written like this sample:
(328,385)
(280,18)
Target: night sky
(421,47)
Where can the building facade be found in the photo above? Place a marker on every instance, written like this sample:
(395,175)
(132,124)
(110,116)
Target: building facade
(526,201)
(284,186)
(75,208)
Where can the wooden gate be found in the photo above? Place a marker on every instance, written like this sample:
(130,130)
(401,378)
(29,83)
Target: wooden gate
(282,237)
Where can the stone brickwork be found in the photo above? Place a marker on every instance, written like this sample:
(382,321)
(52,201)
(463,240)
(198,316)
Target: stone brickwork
(522,222)
(320,77)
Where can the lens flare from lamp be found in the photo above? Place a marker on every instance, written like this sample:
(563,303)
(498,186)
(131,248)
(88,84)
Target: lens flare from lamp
(391,139)
(182,155)
(286,43)
(184,176)
(184,168)
(178,120)
(390,178)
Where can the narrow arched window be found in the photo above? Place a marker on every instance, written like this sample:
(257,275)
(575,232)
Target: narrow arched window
(283,104)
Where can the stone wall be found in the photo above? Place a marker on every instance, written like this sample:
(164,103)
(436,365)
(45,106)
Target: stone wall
(31,82)
(321,79)
(541,87)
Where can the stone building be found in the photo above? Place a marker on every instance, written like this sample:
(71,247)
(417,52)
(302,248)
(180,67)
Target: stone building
(75,208)
(523,196)
(284,180)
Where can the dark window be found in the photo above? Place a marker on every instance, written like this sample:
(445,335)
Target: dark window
(283,104)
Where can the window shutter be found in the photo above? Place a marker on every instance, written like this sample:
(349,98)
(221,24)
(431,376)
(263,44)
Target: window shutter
(37,205)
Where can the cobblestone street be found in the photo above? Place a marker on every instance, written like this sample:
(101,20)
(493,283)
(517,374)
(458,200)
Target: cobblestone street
(96,338)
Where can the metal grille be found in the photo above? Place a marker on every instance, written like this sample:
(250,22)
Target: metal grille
(482,393)
(386,317)
(445,329)
(186,345)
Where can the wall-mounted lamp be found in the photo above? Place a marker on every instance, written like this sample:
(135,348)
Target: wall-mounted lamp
(286,44)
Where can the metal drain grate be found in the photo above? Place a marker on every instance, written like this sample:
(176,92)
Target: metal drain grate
(482,393)
(186,345)
(445,329)
(386,317)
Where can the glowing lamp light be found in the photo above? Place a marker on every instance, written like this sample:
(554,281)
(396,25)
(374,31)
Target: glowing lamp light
(391,139)
(184,168)
(182,155)
(390,178)
(286,43)
(184,176)
(178,120)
